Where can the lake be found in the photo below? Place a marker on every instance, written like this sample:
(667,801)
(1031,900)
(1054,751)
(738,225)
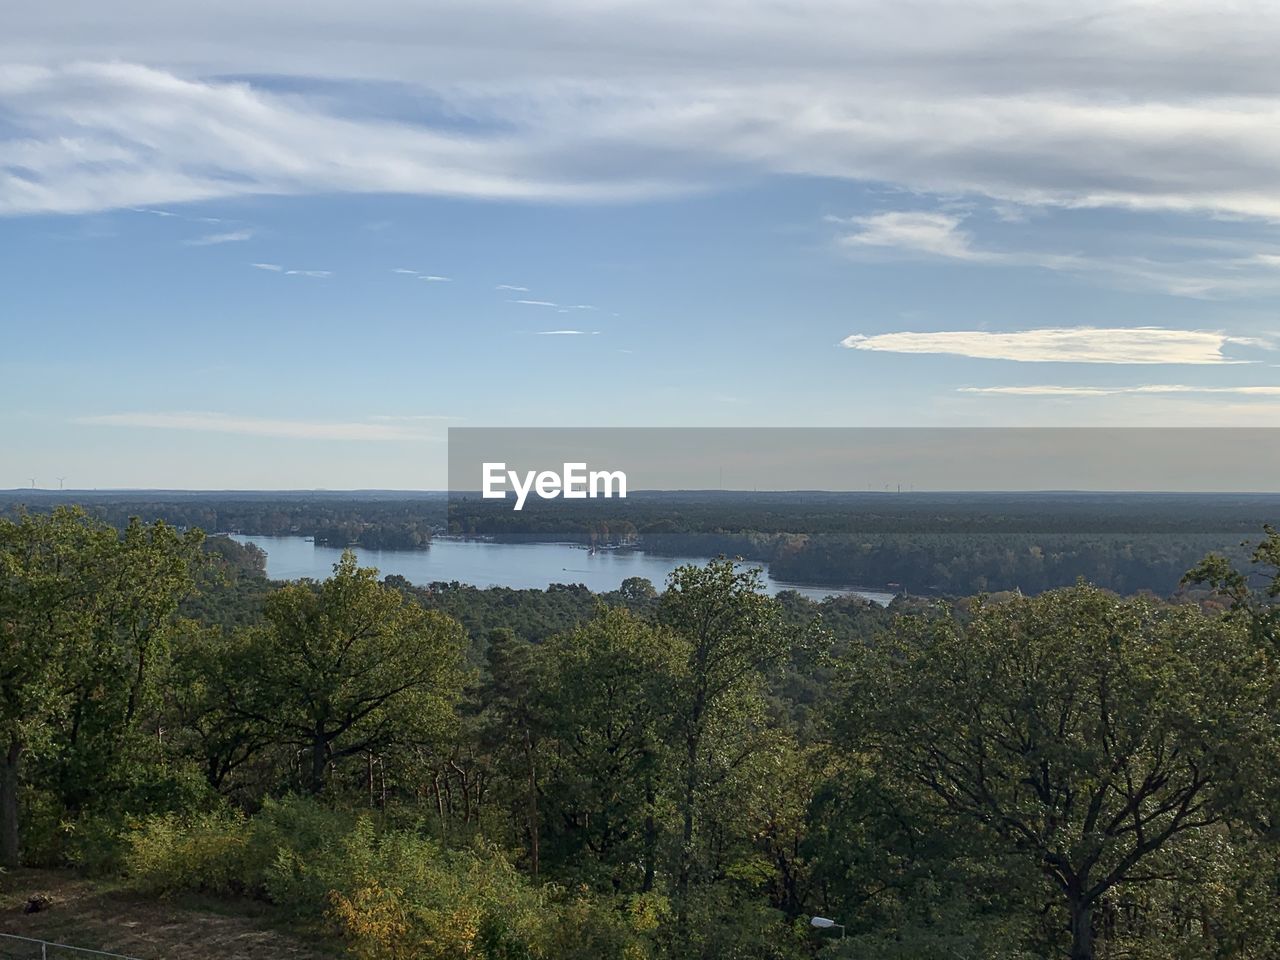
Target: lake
(522,566)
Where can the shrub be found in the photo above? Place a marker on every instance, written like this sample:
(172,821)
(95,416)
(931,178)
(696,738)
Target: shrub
(209,853)
(388,893)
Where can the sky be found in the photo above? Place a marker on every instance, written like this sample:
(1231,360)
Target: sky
(289,245)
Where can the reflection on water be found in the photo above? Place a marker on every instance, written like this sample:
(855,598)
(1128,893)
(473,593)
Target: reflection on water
(484,564)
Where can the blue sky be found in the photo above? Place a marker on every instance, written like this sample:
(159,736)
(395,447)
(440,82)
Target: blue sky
(290,247)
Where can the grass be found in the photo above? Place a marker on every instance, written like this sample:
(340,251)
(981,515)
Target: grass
(102,915)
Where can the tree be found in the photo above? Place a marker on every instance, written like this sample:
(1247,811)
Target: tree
(109,737)
(84,619)
(1089,734)
(1255,595)
(1253,601)
(346,667)
(730,634)
(220,738)
(510,725)
(604,708)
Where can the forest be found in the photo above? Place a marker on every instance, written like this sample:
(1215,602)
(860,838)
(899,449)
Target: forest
(927,544)
(687,770)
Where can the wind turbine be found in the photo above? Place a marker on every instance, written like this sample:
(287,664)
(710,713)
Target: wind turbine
(60,479)
(33,482)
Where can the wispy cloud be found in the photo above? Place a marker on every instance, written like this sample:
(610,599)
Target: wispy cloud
(563,102)
(511,288)
(935,234)
(113,134)
(212,239)
(1048,390)
(273,267)
(432,277)
(535,303)
(1135,345)
(1203,271)
(252,426)
(319,274)
(568,333)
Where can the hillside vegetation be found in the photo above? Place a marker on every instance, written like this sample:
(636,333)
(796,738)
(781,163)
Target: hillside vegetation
(684,773)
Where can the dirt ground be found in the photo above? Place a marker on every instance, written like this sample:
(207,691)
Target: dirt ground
(102,916)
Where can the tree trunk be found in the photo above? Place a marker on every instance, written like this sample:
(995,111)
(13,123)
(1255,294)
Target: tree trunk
(686,838)
(532,805)
(693,744)
(319,764)
(1081,930)
(650,834)
(10,838)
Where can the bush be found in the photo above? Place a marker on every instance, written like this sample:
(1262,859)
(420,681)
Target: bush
(209,853)
(389,894)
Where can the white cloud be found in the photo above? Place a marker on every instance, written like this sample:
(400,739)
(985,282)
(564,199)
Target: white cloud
(535,303)
(212,239)
(511,288)
(1136,345)
(273,267)
(938,234)
(430,277)
(320,274)
(568,333)
(1047,390)
(251,426)
(1205,272)
(1025,102)
(107,135)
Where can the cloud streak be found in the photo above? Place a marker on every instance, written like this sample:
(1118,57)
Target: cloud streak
(213,239)
(941,234)
(933,233)
(1048,390)
(1126,345)
(431,277)
(197,422)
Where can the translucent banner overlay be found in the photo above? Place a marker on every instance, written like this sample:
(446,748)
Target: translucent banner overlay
(862,480)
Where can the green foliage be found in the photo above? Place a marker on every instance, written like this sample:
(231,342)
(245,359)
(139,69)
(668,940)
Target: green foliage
(730,635)
(388,893)
(207,854)
(683,775)
(1089,735)
(345,667)
(85,619)
(604,709)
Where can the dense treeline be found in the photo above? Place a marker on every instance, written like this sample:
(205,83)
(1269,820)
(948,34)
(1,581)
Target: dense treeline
(936,544)
(815,512)
(690,772)
(964,564)
(377,522)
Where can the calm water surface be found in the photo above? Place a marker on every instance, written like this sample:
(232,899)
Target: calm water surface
(521,566)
